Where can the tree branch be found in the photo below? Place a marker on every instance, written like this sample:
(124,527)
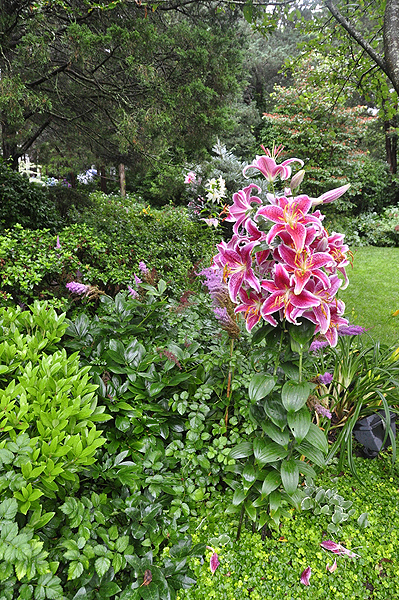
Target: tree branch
(377,58)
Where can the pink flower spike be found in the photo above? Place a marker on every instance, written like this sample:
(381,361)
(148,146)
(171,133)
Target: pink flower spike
(333,567)
(58,245)
(214,562)
(305,577)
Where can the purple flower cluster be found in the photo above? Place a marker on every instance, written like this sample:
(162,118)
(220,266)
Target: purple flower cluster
(77,288)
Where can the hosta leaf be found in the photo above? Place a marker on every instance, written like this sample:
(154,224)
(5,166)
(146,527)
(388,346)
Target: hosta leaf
(311,452)
(271,482)
(239,496)
(317,438)
(249,473)
(267,451)
(275,433)
(299,422)
(242,450)
(276,413)
(294,395)
(260,386)
(289,475)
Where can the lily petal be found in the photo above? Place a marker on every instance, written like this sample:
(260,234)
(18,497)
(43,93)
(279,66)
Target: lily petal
(305,576)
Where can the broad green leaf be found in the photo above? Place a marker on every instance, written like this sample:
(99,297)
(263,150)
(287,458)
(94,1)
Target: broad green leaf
(251,511)
(271,482)
(294,395)
(239,496)
(102,564)
(260,386)
(303,332)
(311,452)
(289,475)
(267,451)
(306,469)
(299,422)
(75,569)
(275,433)
(276,413)
(242,450)
(249,473)
(317,438)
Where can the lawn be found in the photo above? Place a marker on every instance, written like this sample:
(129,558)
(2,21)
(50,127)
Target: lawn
(372,295)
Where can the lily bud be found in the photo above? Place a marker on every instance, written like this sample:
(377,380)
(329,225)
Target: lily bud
(297,179)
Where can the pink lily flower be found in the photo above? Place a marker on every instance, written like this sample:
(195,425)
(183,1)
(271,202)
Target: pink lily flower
(305,265)
(338,251)
(282,297)
(190,177)
(238,268)
(321,315)
(305,576)
(290,217)
(241,209)
(331,195)
(251,304)
(337,548)
(336,321)
(267,165)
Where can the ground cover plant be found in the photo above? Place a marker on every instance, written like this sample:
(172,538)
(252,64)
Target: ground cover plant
(271,568)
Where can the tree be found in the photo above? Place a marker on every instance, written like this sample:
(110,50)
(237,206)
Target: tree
(126,82)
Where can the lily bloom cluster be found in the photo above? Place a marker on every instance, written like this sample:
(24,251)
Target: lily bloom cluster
(281,263)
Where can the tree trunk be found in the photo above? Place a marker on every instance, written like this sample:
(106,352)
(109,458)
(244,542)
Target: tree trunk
(103,179)
(122,180)
(73,179)
(9,148)
(391,41)
(391,143)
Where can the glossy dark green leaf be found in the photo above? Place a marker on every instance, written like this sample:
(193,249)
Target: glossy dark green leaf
(275,433)
(317,438)
(311,452)
(267,451)
(239,496)
(299,422)
(303,332)
(271,482)
(260,386)
(242,450)
(294,395)
(249,473)
(276,412)
(289,475)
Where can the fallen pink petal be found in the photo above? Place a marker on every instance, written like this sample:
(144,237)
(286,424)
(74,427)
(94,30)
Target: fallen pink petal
(214,562)
(333,567)
(305,577)
(337,548)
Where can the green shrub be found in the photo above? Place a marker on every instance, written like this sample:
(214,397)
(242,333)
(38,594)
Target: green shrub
(24,202)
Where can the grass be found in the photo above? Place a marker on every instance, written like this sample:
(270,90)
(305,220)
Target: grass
(373,292)
(271,569)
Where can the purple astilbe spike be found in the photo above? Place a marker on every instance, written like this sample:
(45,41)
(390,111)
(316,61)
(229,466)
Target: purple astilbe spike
(132,292)
(322,411)
(351,330)
(137,279)
(214,563)
(143,267)
(77,288)
(58,245)
(305,576)
(317,345)
(325,379)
